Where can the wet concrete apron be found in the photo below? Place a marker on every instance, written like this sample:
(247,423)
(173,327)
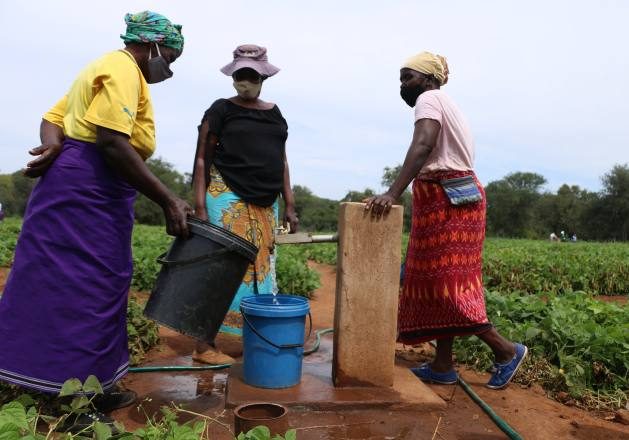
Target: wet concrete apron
(204,393)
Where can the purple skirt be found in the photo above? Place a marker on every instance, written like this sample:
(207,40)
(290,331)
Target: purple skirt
(63,310)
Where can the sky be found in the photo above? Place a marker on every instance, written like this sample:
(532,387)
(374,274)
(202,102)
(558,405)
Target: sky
(543,84)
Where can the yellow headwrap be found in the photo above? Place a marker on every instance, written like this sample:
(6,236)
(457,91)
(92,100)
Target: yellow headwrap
(429,64)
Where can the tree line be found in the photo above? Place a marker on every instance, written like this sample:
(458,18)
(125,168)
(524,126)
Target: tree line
(517,205)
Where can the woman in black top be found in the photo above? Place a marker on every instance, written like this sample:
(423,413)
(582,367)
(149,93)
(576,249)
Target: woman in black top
(240,170)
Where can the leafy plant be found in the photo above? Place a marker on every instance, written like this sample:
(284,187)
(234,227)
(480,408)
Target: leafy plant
(167,427)
(9,231)
(20,418)
(293,274)
(148,243)
(143,332)
(324,253)
(578,344)
(263,433)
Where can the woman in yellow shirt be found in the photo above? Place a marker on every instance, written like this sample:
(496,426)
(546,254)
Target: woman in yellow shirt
(73,267)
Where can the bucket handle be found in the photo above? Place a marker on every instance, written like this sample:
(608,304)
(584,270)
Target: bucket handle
(162,260)
(271,343)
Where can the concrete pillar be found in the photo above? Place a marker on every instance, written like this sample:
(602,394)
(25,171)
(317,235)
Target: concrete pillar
(367,289)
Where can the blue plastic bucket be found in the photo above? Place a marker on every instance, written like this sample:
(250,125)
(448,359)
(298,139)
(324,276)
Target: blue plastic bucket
(273,339)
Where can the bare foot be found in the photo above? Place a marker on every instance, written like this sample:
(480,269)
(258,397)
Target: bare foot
(212,356)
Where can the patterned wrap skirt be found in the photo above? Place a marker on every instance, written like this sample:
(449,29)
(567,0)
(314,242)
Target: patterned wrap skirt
(254,223)
(442,294)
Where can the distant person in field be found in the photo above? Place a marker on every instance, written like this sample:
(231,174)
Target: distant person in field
(442,295)
(63,311)
(240,171)
(553,237)
(1,213)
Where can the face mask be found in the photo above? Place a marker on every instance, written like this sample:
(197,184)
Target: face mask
(247,89)
(410,94)
(158,69)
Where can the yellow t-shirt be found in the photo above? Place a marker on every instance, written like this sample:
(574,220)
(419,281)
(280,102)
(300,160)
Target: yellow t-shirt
(110,92)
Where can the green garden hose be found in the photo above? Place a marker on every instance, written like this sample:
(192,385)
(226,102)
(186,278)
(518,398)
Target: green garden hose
(157,369)
(317,343)
(500,423)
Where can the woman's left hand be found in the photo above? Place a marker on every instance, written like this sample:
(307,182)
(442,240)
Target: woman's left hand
(47,153)
(290,217)
(379,205)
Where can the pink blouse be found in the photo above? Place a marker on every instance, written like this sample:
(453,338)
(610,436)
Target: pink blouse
(454,149)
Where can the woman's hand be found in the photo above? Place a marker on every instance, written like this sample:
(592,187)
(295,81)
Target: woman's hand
(200,212)
(176,212)
(379,205)
(51,137)
(290,218)
(47,154)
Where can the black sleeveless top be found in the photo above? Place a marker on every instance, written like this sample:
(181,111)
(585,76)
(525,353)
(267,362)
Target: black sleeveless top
(250,150)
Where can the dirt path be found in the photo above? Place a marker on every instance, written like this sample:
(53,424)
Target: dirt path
(4,273)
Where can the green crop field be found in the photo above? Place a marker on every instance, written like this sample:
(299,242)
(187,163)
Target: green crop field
(539,266)
(508,265)
(149,242)
(516,265)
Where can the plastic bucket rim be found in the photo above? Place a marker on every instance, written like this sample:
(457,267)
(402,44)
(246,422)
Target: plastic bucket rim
(222,234)
(239,408)
(260,305)
(224,237)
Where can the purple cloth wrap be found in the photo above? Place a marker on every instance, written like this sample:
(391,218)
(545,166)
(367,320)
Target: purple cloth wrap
(63,310)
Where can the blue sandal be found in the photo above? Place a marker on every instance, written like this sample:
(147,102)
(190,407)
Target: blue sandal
(425,373)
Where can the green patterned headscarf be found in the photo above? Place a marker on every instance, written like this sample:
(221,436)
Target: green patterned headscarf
(151,27)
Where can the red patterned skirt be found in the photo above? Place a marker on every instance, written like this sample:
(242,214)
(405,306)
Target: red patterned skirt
(442,295)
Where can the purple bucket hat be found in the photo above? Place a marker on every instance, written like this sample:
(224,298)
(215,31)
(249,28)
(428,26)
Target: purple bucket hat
(252,56)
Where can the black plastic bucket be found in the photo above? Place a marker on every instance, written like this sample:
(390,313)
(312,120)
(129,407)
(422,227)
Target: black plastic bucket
(199,279)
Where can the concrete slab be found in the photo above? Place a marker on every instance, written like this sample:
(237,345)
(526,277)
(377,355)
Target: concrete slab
(317,392)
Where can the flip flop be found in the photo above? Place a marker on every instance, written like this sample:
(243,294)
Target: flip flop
(114,399)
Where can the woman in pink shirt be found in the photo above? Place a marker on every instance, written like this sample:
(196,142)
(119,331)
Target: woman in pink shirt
(442,295)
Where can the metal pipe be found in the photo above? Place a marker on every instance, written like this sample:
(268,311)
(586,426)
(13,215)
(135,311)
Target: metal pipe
(305,238)
(330,238)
